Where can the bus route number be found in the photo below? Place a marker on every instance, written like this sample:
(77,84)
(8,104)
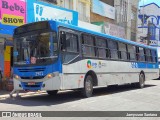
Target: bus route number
(39,74)
(134,65)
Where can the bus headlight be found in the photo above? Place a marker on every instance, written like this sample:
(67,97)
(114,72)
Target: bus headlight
(16,77)
(50,75)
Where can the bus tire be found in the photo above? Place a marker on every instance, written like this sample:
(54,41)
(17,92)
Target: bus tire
(88,87)
(52,92)
(141,82)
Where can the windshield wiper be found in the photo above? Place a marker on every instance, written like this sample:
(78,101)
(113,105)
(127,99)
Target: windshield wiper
(47,57)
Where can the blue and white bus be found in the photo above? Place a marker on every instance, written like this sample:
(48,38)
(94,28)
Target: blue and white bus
(53,56)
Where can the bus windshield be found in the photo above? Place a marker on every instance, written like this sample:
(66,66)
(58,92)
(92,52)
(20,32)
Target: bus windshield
(35,49)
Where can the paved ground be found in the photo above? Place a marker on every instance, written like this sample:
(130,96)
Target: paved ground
(5,93)
(122,98)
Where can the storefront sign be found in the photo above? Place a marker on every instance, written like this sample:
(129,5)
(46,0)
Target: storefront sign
(103,9)
(114,30)
(111,29)
(40,11)
(13,12)
(12,20)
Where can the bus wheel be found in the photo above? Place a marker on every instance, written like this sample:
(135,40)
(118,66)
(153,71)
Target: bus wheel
(52,92)
(88,87)
(141,80)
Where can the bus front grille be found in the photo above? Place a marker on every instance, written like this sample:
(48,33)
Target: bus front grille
(36,77)
(32,70)
(32,86)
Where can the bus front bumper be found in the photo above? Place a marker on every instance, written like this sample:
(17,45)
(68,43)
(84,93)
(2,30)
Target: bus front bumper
(53,83)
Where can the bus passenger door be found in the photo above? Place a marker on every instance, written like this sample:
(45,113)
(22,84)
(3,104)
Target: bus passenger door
(70,58)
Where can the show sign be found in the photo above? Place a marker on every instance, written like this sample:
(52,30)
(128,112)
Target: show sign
(40,11)
(13,12)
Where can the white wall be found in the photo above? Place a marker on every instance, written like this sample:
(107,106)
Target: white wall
(89,26)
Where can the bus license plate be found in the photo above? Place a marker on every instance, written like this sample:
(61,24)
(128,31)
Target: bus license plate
(31,83)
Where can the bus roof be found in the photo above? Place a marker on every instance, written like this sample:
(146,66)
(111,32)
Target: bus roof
(102,35)
(90,32)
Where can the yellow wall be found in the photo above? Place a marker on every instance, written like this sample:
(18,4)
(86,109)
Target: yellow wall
(7,53)
(7,59)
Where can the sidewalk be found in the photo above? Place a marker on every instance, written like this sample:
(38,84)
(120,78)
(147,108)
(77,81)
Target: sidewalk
(2,92)
(5,93)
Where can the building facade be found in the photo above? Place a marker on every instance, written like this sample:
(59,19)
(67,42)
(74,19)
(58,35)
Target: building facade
(81,6)
(41,11)
(115,17)
(149,23)
(102,11)
(19,12)
(12,14)
(126,16)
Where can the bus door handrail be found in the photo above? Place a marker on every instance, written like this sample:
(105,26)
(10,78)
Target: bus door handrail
(71,60)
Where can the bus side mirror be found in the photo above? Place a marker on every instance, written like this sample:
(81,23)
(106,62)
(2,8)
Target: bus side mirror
(63,41)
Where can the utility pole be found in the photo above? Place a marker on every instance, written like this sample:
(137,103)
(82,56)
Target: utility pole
(148,33)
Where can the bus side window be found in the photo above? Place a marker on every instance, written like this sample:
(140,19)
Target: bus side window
(71,47)
(154,54)
(113,47)
(148,55)
(131,52)
(145,55)
(88,45)
(55,42)
(63,40)
(137,54)
(71,42)
(102,50)
(122,51)
(142,55)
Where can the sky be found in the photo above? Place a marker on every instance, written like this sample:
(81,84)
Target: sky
(149,1)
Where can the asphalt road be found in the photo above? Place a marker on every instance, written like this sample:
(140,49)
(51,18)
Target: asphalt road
(115,98)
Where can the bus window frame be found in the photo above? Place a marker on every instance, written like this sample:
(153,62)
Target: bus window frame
(95,37)
(87,45)
(107,54)
(120,51)
(130,52)
(65,52)
(116,49)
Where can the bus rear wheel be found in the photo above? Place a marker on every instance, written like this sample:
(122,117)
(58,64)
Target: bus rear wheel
(141,82)
(88,87)
(52,92)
